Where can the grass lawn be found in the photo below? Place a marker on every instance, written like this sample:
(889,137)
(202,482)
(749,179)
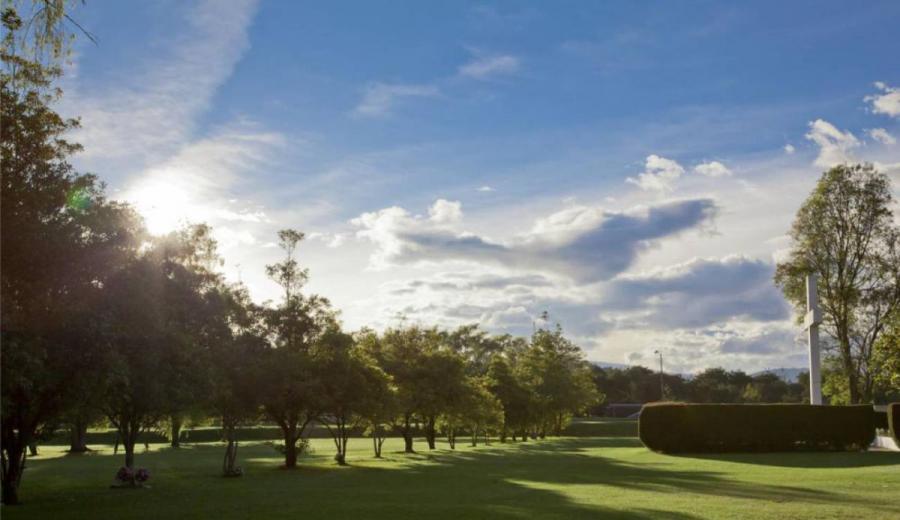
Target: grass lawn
(572,477)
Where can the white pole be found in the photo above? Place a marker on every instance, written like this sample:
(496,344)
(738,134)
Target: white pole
(812,321)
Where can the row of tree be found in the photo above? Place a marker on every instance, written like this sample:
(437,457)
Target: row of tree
(103,323)
(714,385)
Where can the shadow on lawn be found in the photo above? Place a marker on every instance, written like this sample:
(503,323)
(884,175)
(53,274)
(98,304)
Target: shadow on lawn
(565,463)
(527,480)
(804,459)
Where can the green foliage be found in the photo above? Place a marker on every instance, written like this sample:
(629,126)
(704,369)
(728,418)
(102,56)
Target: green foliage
(845,234)
(696,428)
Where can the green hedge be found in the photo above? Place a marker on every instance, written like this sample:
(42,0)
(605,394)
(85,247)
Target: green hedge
(893,419)
(881,420)
(679,427)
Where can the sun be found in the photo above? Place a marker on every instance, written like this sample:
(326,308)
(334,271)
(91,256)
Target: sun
(164,206)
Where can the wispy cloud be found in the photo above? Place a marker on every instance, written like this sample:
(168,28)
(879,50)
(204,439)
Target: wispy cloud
(882,136)
(380,98)
(155,112)
(485,66)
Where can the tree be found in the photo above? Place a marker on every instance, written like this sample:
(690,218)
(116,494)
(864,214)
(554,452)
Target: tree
(441,390)
(561,380)
(484,414)
(133,335)
(349,381)
(61,240)
(845,234)
(236,347)
(400,352)
(290,390)
(514,397)
(886,362)
(381,408)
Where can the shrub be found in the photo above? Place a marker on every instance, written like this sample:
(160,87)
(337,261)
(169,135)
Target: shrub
(893,419)
(678,427)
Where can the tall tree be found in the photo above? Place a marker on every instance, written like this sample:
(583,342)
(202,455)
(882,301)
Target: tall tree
(290,391)
(845,233)
(61,239)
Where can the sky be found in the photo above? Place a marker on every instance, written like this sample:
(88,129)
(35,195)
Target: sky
(631,168)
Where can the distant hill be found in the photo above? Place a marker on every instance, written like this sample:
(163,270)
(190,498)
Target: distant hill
(786,374)
(604,364)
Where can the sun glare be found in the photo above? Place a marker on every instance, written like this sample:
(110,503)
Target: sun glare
(165,207)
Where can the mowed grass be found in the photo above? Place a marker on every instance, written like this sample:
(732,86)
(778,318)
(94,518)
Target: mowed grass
(571,477)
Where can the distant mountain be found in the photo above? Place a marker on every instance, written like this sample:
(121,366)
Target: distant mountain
(604,364)
(785,374)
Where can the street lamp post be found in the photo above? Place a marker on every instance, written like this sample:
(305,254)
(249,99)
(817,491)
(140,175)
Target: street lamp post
(661,385)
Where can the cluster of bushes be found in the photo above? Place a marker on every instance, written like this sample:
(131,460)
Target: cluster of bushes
(680,428)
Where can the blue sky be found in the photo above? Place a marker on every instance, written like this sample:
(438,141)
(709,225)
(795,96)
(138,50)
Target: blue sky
(632,168)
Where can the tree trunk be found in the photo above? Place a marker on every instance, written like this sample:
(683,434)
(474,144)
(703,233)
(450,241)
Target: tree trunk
(32,449)
(228,466)
(290,450)
(430,434)
(13,465)
(129,453)
(408,442)
(176,431)
(78,437)
(474,436)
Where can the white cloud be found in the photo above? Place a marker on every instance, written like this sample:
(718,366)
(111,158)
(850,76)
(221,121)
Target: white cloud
(789,149)
(659,174)
(485,189)
(445,211)
(486,66)
(581,243)
(888,102)
(882,136)
(835,146)
(713,169)
(379,98)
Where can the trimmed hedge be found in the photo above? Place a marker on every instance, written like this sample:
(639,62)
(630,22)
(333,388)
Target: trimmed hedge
(680,427)
(881,420)
(893,419)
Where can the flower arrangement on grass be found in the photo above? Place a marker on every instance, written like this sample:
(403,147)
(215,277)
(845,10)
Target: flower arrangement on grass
(127,477)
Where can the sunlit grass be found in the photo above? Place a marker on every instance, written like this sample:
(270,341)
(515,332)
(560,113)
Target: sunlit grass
(563,478)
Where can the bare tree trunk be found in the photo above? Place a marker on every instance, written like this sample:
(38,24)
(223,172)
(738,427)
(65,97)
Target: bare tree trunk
(13,458)
(408,442)
(78,437)
(176,423)
(129,453)
(430,434)
(290,449)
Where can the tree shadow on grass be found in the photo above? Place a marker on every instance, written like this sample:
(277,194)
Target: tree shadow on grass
(566,462)
(527,480)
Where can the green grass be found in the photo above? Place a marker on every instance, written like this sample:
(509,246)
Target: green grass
(572,477)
